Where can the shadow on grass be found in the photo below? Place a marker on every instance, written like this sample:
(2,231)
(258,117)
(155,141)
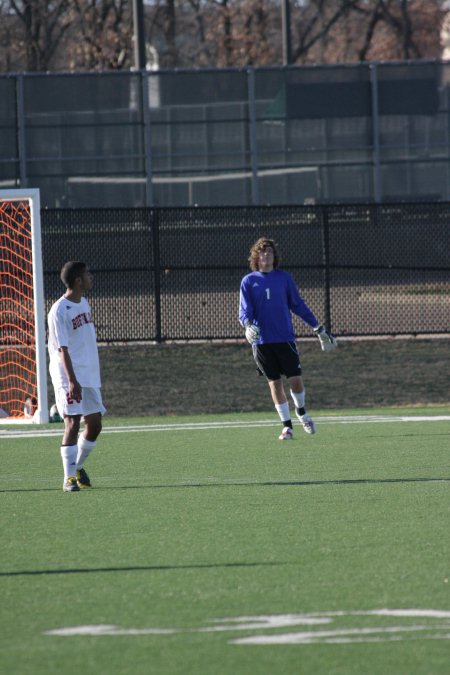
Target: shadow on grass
(142,568)
(265,483)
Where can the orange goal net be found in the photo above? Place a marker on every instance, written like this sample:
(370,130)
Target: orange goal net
(23,390)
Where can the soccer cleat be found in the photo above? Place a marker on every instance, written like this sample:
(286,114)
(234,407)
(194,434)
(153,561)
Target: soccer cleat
(83,479)
(307,423)
(286,435)
(71,485)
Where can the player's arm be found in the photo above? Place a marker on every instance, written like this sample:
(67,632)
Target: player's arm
(299,307)
(74,385)
(246,315)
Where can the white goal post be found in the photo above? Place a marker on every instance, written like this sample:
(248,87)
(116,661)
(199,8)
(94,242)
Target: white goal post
(23,366)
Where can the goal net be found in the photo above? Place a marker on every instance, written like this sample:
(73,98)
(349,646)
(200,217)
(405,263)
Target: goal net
(23,379)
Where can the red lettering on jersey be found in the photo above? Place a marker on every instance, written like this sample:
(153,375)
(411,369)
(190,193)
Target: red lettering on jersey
(81,320)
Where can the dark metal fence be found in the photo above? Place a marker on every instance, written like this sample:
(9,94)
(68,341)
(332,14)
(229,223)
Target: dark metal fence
(174,274)
(366,132)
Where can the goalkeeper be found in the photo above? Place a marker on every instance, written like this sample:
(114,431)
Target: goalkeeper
(268,296)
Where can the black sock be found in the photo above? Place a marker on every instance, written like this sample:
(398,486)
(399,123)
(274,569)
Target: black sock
(301,411)
(287,423)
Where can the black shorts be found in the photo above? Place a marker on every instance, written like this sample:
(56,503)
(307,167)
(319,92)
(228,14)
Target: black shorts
(276,359)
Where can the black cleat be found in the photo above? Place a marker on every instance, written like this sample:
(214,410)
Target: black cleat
(83,479)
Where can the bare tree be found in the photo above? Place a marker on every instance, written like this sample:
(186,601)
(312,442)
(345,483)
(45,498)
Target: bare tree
(255,38)
(169,19)
(411,24)
(43,25)
(165,28)
(313,24)
(396,29)
(105,27)
(243,32)
(201,54)
(225,33)
(8,39)
(98,34)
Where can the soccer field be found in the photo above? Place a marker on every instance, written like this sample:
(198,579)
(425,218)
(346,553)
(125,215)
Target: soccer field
(208,547)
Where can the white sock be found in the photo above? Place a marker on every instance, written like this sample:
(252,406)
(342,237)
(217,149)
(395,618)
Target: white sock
(85,448)
(283,411)
(299,399)
(69,459)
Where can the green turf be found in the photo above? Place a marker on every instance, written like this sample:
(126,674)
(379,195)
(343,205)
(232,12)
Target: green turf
(188,527)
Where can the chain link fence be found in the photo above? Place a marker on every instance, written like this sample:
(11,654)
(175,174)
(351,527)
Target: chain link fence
(174,274)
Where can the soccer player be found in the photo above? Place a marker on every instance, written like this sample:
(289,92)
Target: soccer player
(268,295)
(75,373)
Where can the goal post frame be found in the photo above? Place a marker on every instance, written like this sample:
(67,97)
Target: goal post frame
(32,195)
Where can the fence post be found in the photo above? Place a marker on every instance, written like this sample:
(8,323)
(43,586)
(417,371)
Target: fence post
(375,134)
(147,137)
(253,143)
(326,264)
(154,220)
(22,149)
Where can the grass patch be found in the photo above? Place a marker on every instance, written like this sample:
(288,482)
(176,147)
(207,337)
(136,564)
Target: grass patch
(193,379)
(186,531)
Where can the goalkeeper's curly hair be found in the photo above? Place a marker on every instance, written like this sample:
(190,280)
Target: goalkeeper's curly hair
(260,245)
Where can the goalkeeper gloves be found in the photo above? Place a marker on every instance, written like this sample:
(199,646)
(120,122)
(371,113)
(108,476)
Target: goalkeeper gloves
(252,332)
(327,341)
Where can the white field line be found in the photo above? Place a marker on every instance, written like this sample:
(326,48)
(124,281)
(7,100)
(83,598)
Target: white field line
(347,635)
(208,426)
(434,626)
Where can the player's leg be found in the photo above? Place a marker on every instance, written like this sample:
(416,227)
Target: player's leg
(71,414)
(297,389)
(298,396)
(282,407)
(292,367)
(69,451)
(93,410)
(92,426)
(267,362)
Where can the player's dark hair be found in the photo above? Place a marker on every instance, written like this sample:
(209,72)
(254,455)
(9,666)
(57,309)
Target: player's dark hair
(71,271)
(260,245)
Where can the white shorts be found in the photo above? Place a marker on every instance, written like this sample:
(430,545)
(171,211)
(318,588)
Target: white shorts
(91,402)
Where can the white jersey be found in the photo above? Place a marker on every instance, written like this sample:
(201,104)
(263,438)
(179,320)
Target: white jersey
(70,325)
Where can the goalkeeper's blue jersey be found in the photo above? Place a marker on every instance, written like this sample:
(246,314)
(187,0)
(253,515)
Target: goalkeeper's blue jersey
(268,299)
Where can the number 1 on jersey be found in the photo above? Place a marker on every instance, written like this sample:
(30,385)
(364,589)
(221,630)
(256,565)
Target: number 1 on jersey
(268,293)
